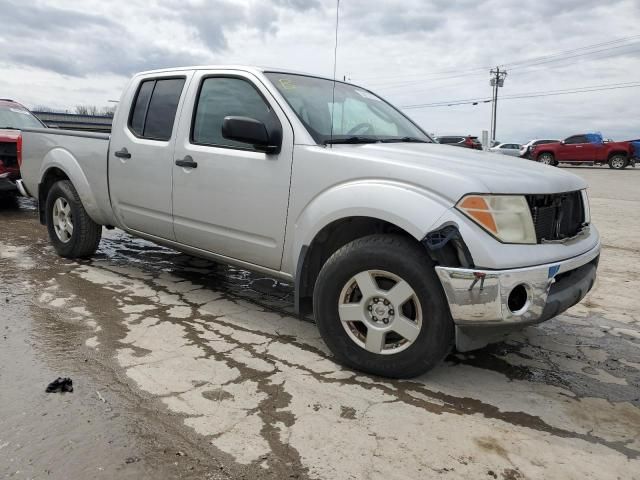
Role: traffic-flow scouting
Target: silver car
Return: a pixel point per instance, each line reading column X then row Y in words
column 512, row 149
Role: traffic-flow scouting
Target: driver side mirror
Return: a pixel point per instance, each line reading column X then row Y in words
column 250, row 130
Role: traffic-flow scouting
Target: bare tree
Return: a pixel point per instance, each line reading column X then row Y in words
column 44, row 109
column 109, row 111
column 94, row 110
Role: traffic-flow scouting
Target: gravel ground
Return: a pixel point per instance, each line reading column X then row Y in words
column 187, row 369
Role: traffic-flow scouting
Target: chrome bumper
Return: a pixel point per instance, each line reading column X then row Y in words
column 481, row 297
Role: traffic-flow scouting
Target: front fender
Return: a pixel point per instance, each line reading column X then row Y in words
column 409, row 207
column 63, row 160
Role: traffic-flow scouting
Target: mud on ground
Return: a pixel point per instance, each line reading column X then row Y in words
column 187, row 369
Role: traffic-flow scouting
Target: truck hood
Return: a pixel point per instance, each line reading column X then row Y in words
column 455, row 171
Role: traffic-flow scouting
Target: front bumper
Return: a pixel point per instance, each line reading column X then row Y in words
column 481, row 298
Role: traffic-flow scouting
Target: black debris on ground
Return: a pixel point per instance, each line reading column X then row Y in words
column 61, row 385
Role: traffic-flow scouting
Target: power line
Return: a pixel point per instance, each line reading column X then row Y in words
column 517, row 74
column 549, row 93
column 565, row 52
column 522, row 64
column 508, row 64
column 574, row 56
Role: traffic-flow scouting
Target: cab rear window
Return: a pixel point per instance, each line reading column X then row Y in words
column 154, row 110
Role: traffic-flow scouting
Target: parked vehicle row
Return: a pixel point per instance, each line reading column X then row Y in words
column 588, row 148
column 400, row 247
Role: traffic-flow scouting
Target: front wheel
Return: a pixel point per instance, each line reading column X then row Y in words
column 547, row 159
column 618, row 162
column 72, row 232
column 380, row 307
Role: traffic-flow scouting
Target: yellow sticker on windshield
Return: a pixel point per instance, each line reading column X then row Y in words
column 287, row 84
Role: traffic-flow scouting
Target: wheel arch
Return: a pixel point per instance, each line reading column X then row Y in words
column 60, row 164
column 326, row 242
column 617, row 152
column 353, row 210
column 48, row 179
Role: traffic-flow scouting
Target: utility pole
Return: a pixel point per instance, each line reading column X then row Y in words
column 496, row 81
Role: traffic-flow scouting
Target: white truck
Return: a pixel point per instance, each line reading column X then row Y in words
column 400, row 247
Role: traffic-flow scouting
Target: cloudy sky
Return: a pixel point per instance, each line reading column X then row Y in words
column 412, row 52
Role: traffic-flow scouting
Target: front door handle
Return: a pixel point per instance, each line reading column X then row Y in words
column 187, row 162
column 123, row 153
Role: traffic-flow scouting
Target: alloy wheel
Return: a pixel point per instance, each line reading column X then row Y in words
column 62, row 220
column 380, row 312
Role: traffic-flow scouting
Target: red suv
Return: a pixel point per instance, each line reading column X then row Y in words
column 585, row 148
column 13, row 118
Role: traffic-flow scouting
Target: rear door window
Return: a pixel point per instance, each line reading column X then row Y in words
column 154, row 110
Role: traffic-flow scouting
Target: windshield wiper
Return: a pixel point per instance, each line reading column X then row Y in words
column 354, row 139
column 405, row 139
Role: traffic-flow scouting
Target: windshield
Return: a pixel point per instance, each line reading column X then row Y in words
column 359, row 116
column 18, row 118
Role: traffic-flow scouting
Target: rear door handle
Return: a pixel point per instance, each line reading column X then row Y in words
column 123, row 153
column 187, row 162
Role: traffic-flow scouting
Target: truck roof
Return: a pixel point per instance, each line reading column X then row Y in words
column 245, row 68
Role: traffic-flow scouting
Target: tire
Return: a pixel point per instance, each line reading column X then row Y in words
column 425, row 315
column 547, row 159
column 72, row 232
column 618, row 162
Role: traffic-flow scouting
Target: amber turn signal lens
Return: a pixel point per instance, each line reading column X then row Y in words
column 478, row 209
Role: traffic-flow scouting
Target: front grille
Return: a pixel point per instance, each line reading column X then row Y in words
column 557, row 216
column 9, row 154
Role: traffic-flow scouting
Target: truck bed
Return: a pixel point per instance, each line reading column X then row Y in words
column 80, row 156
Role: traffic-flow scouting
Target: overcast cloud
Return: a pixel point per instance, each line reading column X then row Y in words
column 65, row 53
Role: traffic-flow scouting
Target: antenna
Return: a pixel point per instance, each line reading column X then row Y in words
column 335, row 62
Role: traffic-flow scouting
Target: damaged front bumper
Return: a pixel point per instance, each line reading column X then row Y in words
column 486, row 304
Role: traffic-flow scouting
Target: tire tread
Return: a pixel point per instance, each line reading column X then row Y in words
column 405, row 364
column 88, row 232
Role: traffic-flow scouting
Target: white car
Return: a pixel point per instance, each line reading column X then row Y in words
column 399, row 246
column 512, row 149
column 525, row 150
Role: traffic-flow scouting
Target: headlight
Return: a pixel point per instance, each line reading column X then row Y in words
column 506, row 217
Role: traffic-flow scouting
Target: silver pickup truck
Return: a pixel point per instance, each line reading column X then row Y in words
column 399, row 246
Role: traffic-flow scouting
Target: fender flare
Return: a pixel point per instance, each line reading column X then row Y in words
column 409, row 207
column 64, row 161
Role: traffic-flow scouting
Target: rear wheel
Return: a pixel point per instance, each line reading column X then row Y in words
column 618, row 162
column 547, row 159
column 72, row 232
column 380, row 308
